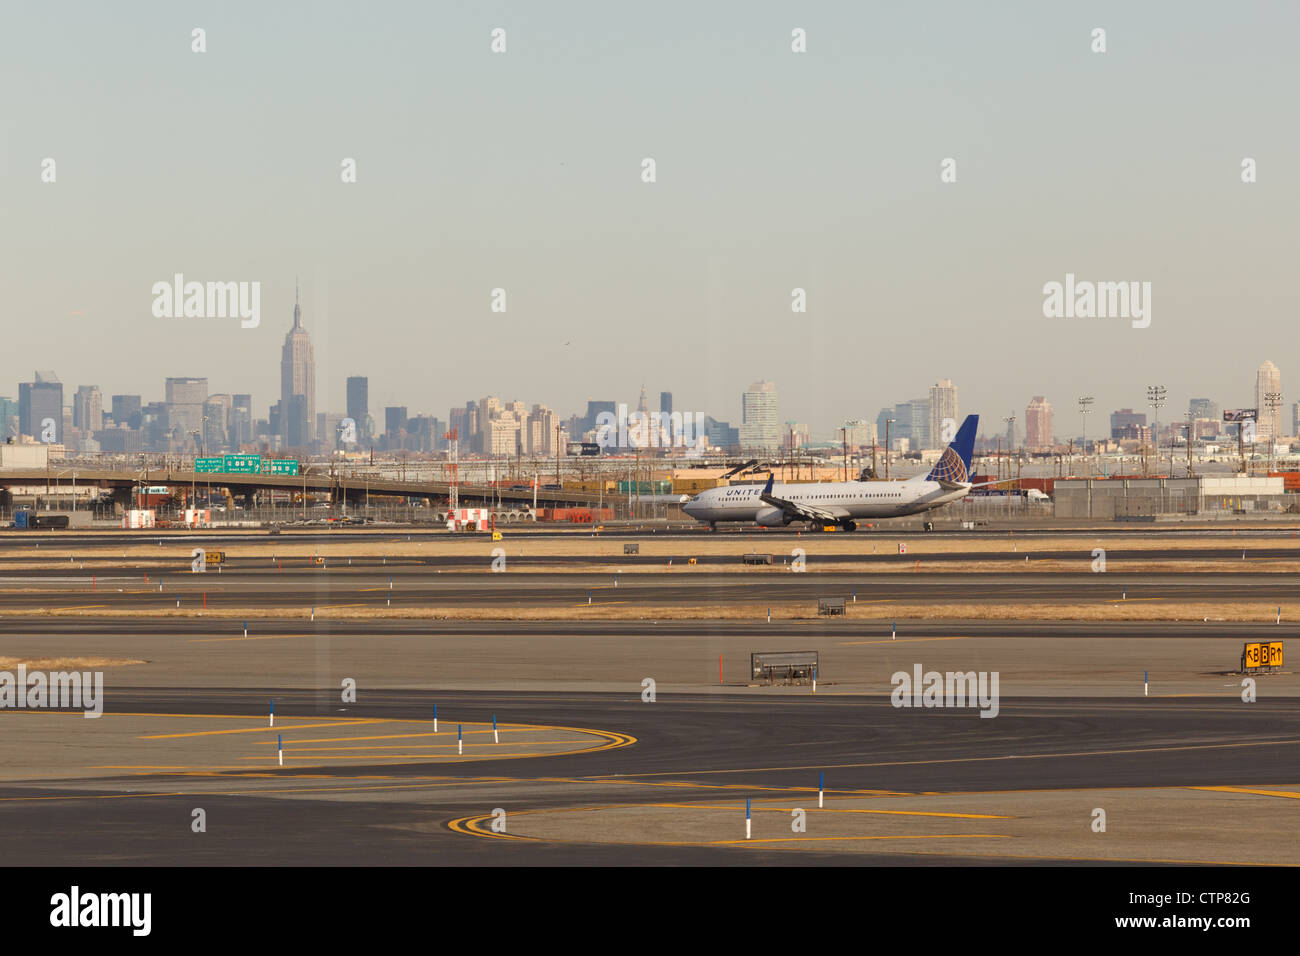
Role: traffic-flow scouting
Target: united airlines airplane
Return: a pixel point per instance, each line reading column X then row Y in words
column 840, row 502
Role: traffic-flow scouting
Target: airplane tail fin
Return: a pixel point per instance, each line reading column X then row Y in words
column 954, row 464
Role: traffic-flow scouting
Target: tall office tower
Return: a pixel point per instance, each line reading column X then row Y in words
column 943, row 409
column 541, row 427
column 39, row 403
column 1126, row 423
column 126, row 410
column 297, row 377
column 359, row 405
column 8, row 419
column 1295, row 418
column 241, row 420
column 1268, row 380
column 1011, row 434
column 760, row 427
column 394, row 424
column 1203, row 408
column 217, row 412
column 1038, row 423
column 920, row 416
column 642, row 406
column 88, row 410
column 185, row 398
column 666, row 402
column 295, row 421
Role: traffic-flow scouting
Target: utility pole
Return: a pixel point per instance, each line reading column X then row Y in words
column 1011, row 444
column 557, row 453
column 888, row 422
column 844, row 445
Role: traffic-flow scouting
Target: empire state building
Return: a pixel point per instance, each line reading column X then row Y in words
column 297, row 385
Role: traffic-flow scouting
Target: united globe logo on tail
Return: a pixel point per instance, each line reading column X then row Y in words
column 954, row 463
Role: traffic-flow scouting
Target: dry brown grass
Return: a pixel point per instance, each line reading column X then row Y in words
column 1102, row 611
column 175, row 552
column 65, row 663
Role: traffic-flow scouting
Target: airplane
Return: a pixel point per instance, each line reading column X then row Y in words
column 842, row 502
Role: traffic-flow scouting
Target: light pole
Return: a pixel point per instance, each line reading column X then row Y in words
column 1085, row 406
column 1156, row 399
column 852, row 425
column 1272, row 401
column 1011, row 442
column 888, row 422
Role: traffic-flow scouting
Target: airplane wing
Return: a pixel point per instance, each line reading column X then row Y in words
column 798, row 512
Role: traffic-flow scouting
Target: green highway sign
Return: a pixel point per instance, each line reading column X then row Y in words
column 208, row 464
column 280, row 466
column 243, row 464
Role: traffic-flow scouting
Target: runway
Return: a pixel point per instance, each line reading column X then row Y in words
column 413, row 586
column 689, row 748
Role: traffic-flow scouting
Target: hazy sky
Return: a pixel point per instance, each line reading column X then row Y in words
column 775, row 170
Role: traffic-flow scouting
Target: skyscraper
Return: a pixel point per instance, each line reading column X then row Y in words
column 1268, row 381
column 943, row 410
column 359, row 405
column 126, row 410
column 1039, row 429
column 88, row 410
column 185, row 400
column 666, row 402
column 40, row 403
column 297, row 377
column 760, row 427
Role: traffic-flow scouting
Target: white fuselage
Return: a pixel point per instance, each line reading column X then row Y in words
column 843, row 499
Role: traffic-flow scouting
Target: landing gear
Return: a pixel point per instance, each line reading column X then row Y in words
column 850, row 526
column 713, row 526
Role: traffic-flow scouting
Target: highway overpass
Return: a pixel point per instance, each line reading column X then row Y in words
column 354, row 489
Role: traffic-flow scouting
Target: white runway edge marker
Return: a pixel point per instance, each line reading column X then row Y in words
column 435, row 718
column 821, row 787
column 279, row 738
column 460, row 742
column 748, row 822
column 496, row 738
column 272, row 723
column 1146, row 683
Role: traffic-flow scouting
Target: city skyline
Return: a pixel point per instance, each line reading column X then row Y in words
column 762, row 188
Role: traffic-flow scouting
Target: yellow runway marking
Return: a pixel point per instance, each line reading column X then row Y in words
column 909, row 836
column 255, row 730
column 914, row 763
column 441, row 733
column 731, row 808
column 1292, row 794
column 906, row 640
column 84, row 607
column 252, row 637
column 446, row 744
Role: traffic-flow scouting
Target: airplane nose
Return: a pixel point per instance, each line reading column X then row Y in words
column 691, row 506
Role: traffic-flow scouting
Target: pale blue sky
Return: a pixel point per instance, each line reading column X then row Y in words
column 775, row 170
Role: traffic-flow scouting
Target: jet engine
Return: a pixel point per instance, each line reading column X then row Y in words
column 771, row 517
